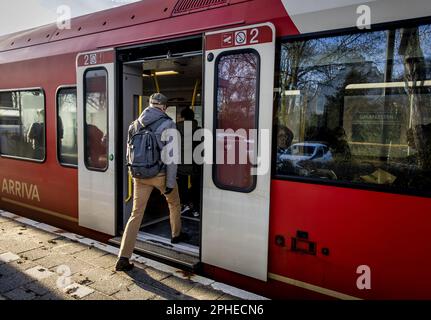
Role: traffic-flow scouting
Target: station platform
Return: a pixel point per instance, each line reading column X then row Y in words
column 41, row 262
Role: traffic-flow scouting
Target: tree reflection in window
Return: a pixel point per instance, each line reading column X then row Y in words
column 22, row 124
column 96, row 120
column 67, row 127
column 367, row 98
column 237, row 96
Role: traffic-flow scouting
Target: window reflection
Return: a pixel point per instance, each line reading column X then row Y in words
column 236, row 116
column 22, row 124
column 67, row 127
column 96, row 120
column 357, row 108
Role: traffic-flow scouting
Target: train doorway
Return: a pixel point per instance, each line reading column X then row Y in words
column 229, row 225
column 174, row 69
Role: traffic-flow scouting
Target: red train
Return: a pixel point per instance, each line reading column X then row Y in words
column 344, row 212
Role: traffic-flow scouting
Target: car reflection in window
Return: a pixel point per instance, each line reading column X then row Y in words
column 308, row 159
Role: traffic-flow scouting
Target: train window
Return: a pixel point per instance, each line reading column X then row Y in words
column 67, row 127
column 365, row 98
column 96, row 119
column 236, row 117
column 22, row 124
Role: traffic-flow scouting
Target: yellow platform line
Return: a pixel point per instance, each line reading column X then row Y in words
column 46, row 211
column 311, row 287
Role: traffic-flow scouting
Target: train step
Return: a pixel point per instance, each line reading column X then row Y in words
column 165, row 253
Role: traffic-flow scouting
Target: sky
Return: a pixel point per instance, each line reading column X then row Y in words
column 18, row 15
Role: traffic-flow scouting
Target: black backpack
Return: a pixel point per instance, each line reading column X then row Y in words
column 144, row 154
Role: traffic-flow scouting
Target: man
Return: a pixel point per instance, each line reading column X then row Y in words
column 284, row 138
column 188, row 172
column 165, row 182
column 96, row 147
column 36, row 136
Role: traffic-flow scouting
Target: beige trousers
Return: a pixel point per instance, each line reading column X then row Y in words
column 142, row 192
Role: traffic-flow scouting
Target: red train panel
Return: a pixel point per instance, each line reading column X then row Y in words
column 349, row 227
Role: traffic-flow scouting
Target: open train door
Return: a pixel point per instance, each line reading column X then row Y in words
column 239, row 86
column 96, row 140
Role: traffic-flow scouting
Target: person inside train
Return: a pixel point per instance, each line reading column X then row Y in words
column 60, row 129
column 284, row 138
column 188, row 173
column 339, row 145
column 155, row 119
column 36, row 136
column 96, row 147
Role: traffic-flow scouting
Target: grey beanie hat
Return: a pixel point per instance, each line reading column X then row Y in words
column 159, row 99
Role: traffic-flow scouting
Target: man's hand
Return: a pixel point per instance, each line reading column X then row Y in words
column 168, row 191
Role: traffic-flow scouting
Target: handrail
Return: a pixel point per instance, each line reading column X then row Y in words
column 140, row 105
column 156, row 82
column 130, row 178
column 195, row 93
column 130, row 188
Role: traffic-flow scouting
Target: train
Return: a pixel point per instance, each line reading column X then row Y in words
column 342, row 89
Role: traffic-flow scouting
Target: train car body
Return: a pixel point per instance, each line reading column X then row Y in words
column 344, row 211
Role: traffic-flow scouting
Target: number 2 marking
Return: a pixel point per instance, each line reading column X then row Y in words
column 86, row 60
column 254, row 36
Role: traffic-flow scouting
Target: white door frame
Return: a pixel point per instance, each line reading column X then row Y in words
column 235, row 225
column 97, row 189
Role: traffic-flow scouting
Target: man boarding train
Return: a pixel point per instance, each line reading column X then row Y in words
column 148, row 170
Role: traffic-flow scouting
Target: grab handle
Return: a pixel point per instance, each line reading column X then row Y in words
column 130, row 189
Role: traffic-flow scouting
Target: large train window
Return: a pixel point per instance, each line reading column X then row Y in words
column 357, row 108
column 22, row 124
column 67, row 139
column 96, row 119
column 236, row 120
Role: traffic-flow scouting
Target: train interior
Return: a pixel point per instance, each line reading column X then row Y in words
column 174, row 69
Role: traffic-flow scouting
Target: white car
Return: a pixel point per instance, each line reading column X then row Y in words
column 307, row 151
